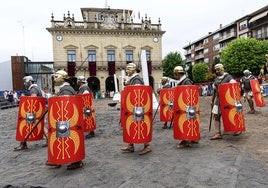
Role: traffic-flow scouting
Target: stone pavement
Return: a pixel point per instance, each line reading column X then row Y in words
column 229, row 162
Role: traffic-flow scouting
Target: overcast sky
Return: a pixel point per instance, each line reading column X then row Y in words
column 23, row 22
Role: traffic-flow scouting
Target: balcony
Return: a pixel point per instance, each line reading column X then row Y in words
column 186, row 52
column 260, row 22
column 200, row 56
column 199, row 47
column 227, row 36
column 260, row 36
column 188, row 60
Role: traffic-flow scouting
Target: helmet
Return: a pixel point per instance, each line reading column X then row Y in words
column 27, row 81
column 81, row 79
column 164, row 80
column 131, row 66
column 178, row 69
column 28, row 78
column 219, row 69
column 247, row 72
column 60, row 77
column 219, row 66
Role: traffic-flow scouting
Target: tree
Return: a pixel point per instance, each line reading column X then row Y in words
column 216, row 61
column 244, row 53
column 199, row 72
column 170, row 61
column 190, row 72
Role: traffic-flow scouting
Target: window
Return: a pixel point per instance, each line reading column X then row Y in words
column 92, row 55
column 206, row 60
column 259, row 35
column 148, row 55
column 245, row 35
column 243, row 25
column 100, row 17
column 205, row 50
column 71, row 55
column 266, row 31
column 111, row 55
column 205, row 41
column 129, row 55
column 216, row 36
column 216, row 47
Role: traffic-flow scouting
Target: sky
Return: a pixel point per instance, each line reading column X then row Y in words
column 24, row 22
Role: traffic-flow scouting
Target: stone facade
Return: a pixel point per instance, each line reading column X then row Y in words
column 103, row 31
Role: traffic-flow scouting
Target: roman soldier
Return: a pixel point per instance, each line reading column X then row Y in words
column 30, row 125
column 226, row 103
column 90, row 118
column 186, row 110
column 65, row 126
column 140, row 111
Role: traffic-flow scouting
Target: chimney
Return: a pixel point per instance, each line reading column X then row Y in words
column 220, row 26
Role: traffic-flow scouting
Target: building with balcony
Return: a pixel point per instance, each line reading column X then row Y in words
column 210, row 46
column 103, row 43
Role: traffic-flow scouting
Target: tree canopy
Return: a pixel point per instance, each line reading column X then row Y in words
column 244, row 53
column 199, row 72
column 170, row 61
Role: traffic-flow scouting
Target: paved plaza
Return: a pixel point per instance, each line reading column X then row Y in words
column 234, row 161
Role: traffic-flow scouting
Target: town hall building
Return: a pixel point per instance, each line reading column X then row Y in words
column 103, row 43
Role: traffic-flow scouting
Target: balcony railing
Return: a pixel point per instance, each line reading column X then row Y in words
column 228, row 36
column 200, row 56
column 97, row 25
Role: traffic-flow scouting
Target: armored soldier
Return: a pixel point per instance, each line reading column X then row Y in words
column 222, row 77
column 34, row 91
column 61, row 80
column 247, row 90
column 134, row 79
column 165, row 84
column 84, row 89
column 179, row 74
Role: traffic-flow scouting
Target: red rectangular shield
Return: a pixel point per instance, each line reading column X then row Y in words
column 122, row 106
column 166, row 104
column 31, row 110
column 89, row 116
column 65, row 130
column 137, row 120
column 231, row 107
column 256, row 90
column 186, row 113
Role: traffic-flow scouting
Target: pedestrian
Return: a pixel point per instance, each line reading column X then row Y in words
column 179, row 74
column 165, row 84
column 133, row 79
column 61, row 80
column 34, row 91
column 15, row 97
column 247, row 91
column 84, row 89
column 222, row 77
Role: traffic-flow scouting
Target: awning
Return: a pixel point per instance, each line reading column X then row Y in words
column 258, row 16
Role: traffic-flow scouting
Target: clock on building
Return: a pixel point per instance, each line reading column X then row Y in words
column 155, row 39
column 59, row 38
